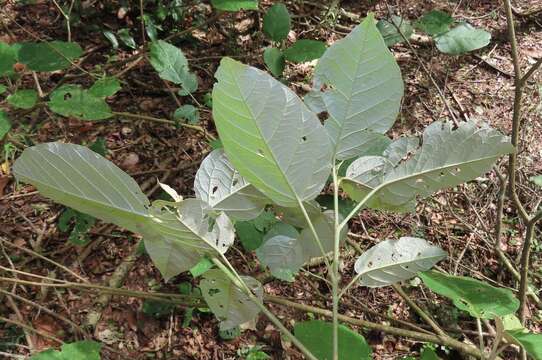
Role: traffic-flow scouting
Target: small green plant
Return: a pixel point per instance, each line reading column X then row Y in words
column 80, row 350
column 450, row 40
column 276, row 26
column 277, row 156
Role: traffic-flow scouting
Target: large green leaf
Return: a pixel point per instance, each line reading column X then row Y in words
column 392, row 261
column 235, row 5
column 8, row 58
column 461, row 39
column 176, row 236
column 218, row 184
column 75, row 176
column 49, row 56
column 269, row 135
column 365, row 89
column 479, row 299
column 276, row 22
column 80, row 350
column 177, row 239
column 229, row 303
column 446, row 158
column 317, row 336
column 282, row 251
column 73, row 100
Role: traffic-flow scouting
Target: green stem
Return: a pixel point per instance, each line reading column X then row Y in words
column 480, row 337
column 236, row 279
column 313, row 231
column 335, row 270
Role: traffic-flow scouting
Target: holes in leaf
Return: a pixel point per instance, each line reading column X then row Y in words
column 370, row 264
column 442, row 174
column 260, row 152
column 456, row 171
column 214, row 189
column 213, row 291
column 303, row 138
column 67, row 96
column 235, row 182
column 419, row 180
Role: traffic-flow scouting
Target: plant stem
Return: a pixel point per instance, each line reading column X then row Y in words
column 335, row 270
column 314, row 233
column 524, row 265
column 480, row 336
column 436, row 339
column 238, row 281
column 497, row 340
column 426, row 317
column 162, row 121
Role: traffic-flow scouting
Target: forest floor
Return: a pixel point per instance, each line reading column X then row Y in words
column 461, row 220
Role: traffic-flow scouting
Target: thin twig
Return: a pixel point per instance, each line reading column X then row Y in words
column 426, row 317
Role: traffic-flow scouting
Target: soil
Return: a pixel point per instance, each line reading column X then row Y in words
column 461, row 220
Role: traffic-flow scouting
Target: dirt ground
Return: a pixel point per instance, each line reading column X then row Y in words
column 461, row 220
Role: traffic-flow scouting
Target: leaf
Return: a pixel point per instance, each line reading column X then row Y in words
column 176, row 240
column 156, row 308
column 3, row 88
column 5, row 124
column 80, row 350
column 434, row 22
column 392, row 261
column 532, row 343
column 126, row 38
column 219, row 185
column 428, row 353
column 229, row 304
column 104, row 87
column 78, row 178
column 388, row 30
column 274, row 60
column 305, row 50
column 477, row 298
column 324, row 224
column 187, row 113
column 269, row 135
column 171, row 64
column 317, row 336
column 461, row 39
column 49, row 56
column 23, row 99
column 235, row 5
column 99, row 146
column 112, row 39
column 169, row 61
column 276, row 22
column 72, row 100
column 537, row 180
column 201, row 267
column 327, row 202
column 251, row 233
column 8, row 58
column 446, row 158
column 365, row 89
column 282, row 251
column 82, row 224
